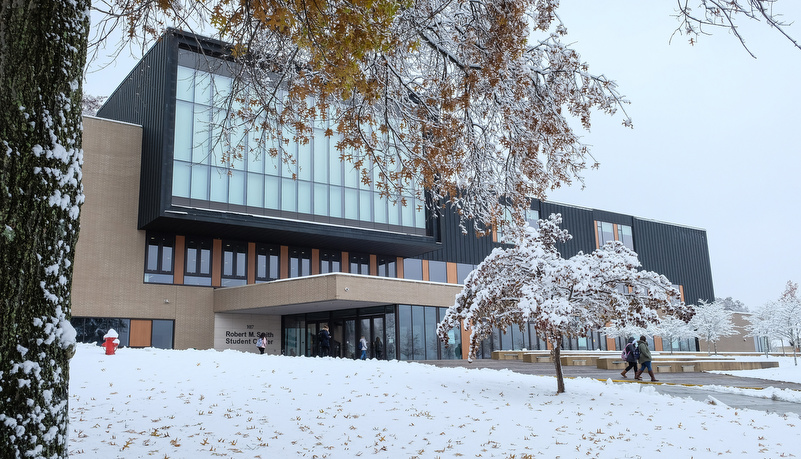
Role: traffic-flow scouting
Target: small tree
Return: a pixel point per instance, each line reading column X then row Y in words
column 712, row 322
column 531, row 283
column 780, row 319
column 762, row 324
column 671, row 328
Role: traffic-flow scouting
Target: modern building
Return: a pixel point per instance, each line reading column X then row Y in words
column 179, row 251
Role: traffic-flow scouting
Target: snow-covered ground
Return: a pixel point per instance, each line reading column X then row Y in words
column 181, row 404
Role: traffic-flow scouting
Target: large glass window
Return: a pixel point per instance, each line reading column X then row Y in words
column 267, row 257
column 359, row 263
column 386, row 267
column 159, row 258
column 234, row 263
column 299, row 262
column 614, row 232
column 198, row 261
column 330, row 261
column 162, row 336
column 317, row 184
column 624, row 235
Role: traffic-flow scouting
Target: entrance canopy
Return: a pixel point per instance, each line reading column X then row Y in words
column 329, row 292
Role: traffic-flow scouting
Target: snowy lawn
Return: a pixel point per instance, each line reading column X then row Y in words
column 787, row 371
column 181, row 404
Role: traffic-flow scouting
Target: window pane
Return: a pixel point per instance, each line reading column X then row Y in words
column 405, row 337
column 162, row 334
column 407, row 213
column 320, row 156
column 431, row 335
column 183, row 131
column 166, row 259
column 335, row 166
column 200, row 182
column 255, row 190
column 181, row 173
column 271, row 192
column 185, row 85
column 201, row 146
column 365, row 206
column 152, row 257
column 191, row 260
column 379, row 208
column 418, row 333
column 351, row 203
column 335, row 207
column 320, row 199
column 304, row 162
column 304, row 197
column 236, row 183
column 219, row 185
column 205, row 261
column 288, row 198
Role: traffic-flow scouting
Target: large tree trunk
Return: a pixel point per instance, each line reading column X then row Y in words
column 42, row 53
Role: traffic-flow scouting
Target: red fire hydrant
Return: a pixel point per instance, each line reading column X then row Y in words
column 111, row 342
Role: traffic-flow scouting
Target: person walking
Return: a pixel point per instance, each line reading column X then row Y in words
column 261, row 343
column 363, row 348
column 631, row 360
column 378, row 347
column 325, row 342
column 644, row 360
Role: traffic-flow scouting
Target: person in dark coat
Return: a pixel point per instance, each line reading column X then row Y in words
column 630, row 359
column 378, row 347
column 645, row 359
column 325, row 342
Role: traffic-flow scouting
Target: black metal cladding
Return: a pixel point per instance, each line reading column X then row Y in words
column 147, row 97
column 459, row 247
column 680, row 253
column 578, row 221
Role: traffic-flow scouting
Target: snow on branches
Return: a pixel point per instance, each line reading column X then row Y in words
column 780, row 319
column 531, row 283
column 712, row 322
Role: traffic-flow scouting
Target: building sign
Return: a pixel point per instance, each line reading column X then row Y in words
column 242, row 331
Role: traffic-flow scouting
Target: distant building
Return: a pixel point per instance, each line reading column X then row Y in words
column 178, row 252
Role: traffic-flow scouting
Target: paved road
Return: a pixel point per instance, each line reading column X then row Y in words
column 676, row 384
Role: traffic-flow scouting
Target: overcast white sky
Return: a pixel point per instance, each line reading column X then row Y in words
column 714, row 140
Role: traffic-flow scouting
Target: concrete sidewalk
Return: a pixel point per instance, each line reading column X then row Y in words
column 683, row 385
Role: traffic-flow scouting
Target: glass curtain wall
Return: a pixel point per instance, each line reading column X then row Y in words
column 319, row 183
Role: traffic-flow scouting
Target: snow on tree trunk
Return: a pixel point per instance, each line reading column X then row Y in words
column 42, row 53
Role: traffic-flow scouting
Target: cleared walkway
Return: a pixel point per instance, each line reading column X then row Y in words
column 684, row 385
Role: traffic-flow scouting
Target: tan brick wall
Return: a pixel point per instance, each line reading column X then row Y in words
column 738, row 342
column 108, row 279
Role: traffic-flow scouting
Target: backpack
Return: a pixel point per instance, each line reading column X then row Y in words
column 624, row 356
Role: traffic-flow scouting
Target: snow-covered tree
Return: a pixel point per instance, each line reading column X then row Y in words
column 780, row 319
column 42, row 54
column 531, row 283
column 762, row 324
column 712, row 322
column 731, row 304
column 671, row 328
